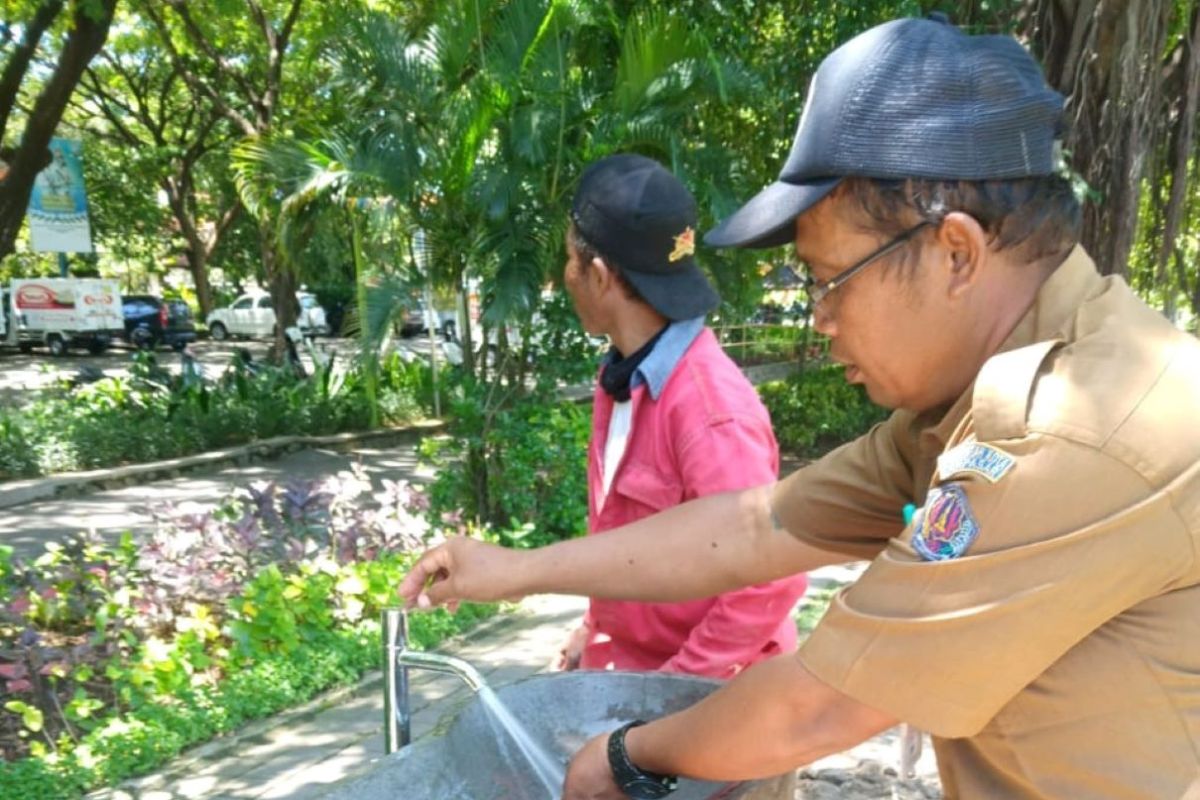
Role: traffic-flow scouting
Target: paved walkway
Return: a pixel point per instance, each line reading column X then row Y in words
column 28, row 527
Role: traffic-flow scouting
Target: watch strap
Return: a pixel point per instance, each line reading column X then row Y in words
column 635, row 782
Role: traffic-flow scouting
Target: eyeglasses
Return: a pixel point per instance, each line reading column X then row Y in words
column 819, row 290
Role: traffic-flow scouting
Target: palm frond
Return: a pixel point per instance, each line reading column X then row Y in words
column 653, row 44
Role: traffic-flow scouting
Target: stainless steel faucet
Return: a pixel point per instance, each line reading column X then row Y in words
column 397, row 659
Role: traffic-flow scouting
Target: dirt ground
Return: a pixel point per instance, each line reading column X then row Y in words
column 867, row 781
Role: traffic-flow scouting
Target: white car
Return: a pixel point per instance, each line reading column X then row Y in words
column 254, row 315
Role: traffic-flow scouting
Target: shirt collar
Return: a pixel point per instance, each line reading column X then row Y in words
column 1058, row 299
column 1056, row 302
column 657, row 367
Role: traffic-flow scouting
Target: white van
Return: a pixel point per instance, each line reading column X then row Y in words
column 62, row 313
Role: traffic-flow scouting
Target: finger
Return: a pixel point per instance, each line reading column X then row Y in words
column 442, row 590
column 429, row 565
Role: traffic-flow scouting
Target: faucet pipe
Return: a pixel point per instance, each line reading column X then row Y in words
column 397, row 716
column 436, row 662
column 397, row 660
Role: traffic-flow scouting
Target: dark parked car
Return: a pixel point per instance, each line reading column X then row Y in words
column 151, row 321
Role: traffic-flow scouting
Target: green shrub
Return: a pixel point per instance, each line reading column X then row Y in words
column 151, row 415
column 816, row 410
column 138, row 742
column 522, row 465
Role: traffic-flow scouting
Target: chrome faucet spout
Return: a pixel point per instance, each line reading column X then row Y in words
column 440, row 663
column 397, row 659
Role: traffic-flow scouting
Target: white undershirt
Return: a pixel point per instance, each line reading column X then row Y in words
column 618, row 438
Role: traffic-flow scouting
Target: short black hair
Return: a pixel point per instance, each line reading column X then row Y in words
column 1037, row 218
column 587, row 251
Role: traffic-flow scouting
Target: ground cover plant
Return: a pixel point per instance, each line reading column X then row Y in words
column 116, row 656
column 151, row 414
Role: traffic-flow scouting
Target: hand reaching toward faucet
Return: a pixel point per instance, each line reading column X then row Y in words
column 463, row 569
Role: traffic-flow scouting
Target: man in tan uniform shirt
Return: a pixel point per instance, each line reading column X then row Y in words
column 1031, row 510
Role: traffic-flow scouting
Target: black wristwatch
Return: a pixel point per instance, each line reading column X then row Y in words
column 636, row 783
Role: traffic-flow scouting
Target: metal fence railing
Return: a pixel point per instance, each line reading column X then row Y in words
column 751, row 344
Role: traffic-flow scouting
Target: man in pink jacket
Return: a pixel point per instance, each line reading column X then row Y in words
column 673, row 419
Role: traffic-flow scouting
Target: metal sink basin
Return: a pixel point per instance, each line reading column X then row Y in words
column 467, row 757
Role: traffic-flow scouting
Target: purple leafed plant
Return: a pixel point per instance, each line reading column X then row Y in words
column 83, row 607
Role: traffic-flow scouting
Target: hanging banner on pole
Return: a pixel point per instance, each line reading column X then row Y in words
column 58, row 214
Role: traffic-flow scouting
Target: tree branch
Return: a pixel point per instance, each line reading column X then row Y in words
column 1185, row 135
column 105, row 104
column 18, row 62
column 279, row 44
column 223, row 225
column 198, row 38
column 83, row 42
column 199, row 88
column 94, row 86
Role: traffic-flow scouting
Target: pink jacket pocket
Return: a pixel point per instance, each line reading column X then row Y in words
column 646, row 486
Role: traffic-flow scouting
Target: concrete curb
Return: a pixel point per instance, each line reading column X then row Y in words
column 74, row 484
column 183, row 764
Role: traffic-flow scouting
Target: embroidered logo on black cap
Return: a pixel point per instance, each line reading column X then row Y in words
column 685, row 245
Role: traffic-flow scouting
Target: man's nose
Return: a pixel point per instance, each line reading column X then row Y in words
column 824, row 321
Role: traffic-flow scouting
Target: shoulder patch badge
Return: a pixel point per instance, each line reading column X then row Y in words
column 983, row 460
column 945, row 526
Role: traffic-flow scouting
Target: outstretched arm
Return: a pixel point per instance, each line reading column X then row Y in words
column 698, row 549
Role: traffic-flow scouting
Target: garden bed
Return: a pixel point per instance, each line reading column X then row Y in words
column 151, row 415
column 114, row 658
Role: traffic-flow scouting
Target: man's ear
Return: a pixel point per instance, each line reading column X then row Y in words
column 964, row 244
column 600, row 275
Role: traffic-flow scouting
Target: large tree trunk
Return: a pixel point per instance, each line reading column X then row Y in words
column 200, row 244
column 18, row 62
column 84, row 41
column 1106, row 57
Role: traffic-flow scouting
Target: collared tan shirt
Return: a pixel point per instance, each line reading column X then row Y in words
column 1059, row 655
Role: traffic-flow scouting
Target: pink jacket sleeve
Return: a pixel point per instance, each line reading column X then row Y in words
column 727, row 455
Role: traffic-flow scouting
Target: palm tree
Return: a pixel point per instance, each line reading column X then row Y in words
column 472, row 127
column 301, row 183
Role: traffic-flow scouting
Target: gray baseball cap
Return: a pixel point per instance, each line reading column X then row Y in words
column 911, row 98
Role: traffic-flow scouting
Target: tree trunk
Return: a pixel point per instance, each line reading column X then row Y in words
column 18, row 62
column 198, row 266
column 282, row 284
column 84, row 41
column 1106, row 57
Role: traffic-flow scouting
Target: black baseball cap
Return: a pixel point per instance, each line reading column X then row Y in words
column 912, row 98
column 639, row 215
